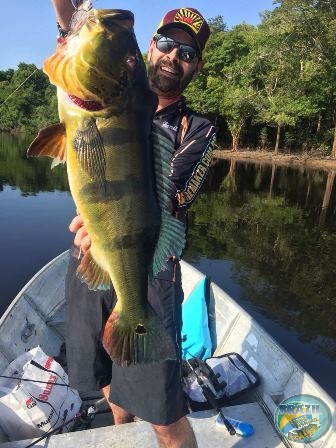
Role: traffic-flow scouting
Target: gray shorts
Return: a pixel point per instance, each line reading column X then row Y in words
column 152, row 392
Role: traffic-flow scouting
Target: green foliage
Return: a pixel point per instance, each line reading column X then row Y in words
column 225, row 87
column 282, row 261
column 27, row 100
column 263, row 138
column 30, row 175
column 279, row 76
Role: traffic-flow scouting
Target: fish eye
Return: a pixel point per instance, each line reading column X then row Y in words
column 131, row 61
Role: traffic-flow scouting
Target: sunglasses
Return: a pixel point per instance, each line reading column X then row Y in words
column 165, row 44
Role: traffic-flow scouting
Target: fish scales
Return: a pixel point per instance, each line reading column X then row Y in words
column 106, row 112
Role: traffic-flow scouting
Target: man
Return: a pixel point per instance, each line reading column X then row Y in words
column 152, row 391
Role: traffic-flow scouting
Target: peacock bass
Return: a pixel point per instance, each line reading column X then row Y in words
column 118, row 175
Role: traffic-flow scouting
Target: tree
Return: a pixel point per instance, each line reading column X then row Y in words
column 297, row 52
column 280, row 54
column 28, row 101
column 225, row 86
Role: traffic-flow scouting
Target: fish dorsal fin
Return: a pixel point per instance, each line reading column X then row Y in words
column 90, row 151
column 92, row 274
column 172, row 238
column 51, row 142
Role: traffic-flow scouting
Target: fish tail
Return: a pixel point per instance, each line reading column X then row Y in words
column 145, row 342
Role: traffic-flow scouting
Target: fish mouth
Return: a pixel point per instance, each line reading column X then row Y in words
column 89, row 105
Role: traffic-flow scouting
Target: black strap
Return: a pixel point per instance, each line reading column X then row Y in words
column 63, row 33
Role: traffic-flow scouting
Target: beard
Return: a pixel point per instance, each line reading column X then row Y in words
column 166, row 85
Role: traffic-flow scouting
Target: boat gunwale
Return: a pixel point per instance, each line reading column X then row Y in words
column 26, row 287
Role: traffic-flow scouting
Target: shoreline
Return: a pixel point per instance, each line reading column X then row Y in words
column 268, row 157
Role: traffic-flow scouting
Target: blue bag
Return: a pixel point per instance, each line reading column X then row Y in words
column 196, row 340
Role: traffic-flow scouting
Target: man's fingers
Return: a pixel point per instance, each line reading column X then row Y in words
column 80, row 234
column 82, row 239
column 76, row 224
column 85, row 243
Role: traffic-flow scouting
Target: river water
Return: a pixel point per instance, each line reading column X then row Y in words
column 265, row 234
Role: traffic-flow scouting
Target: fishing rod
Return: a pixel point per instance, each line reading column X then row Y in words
column 211, row 399
column 32, row 381
column 46, row 382
column 86, row 415
column 239, row 427
column 12, row 93
column 79, row 5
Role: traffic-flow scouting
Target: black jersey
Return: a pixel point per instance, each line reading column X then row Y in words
column 194, row 138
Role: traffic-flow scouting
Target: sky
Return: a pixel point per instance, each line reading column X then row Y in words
column 28, row 31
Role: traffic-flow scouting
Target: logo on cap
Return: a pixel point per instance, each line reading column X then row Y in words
column 189, row 18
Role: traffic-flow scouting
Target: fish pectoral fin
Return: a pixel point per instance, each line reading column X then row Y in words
column 51, row 142
column 89, row 147
column 92, row 274
column 137, row 343
column 171, row 242
column 163, row 150
column 171, row 239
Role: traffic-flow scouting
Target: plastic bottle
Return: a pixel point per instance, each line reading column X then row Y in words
column 244, row 429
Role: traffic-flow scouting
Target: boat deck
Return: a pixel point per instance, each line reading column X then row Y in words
column 36, row 317
column 140, row 434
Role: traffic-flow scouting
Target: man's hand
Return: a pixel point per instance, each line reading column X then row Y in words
column 64, row 10
column 82, row 239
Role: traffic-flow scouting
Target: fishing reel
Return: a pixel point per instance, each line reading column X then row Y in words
column 84, row 418
column 198, row 369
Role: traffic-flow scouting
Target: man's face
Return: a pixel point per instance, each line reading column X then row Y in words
column 168, row 75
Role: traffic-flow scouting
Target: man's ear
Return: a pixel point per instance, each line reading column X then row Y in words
column 198, row 68
column 150, row 49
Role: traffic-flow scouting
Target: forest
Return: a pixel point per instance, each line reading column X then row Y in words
column 267, row 87
column 276, row 235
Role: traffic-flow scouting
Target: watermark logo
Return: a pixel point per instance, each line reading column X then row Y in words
column 303, row 418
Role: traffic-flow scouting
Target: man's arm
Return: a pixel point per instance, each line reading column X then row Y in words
column 64, row 10
column 191, row 161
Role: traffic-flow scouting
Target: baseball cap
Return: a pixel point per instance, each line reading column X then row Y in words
column 191, row 21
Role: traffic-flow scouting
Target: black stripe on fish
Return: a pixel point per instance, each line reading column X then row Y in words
column 131, row 241
column 113, row 190
column 90, row 150
column 118, row 136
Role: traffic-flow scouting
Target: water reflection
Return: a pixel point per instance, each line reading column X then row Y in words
column 29, row 175
column 326, row 198
column 277, row 226
column 35, row 211
column 265, row 233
